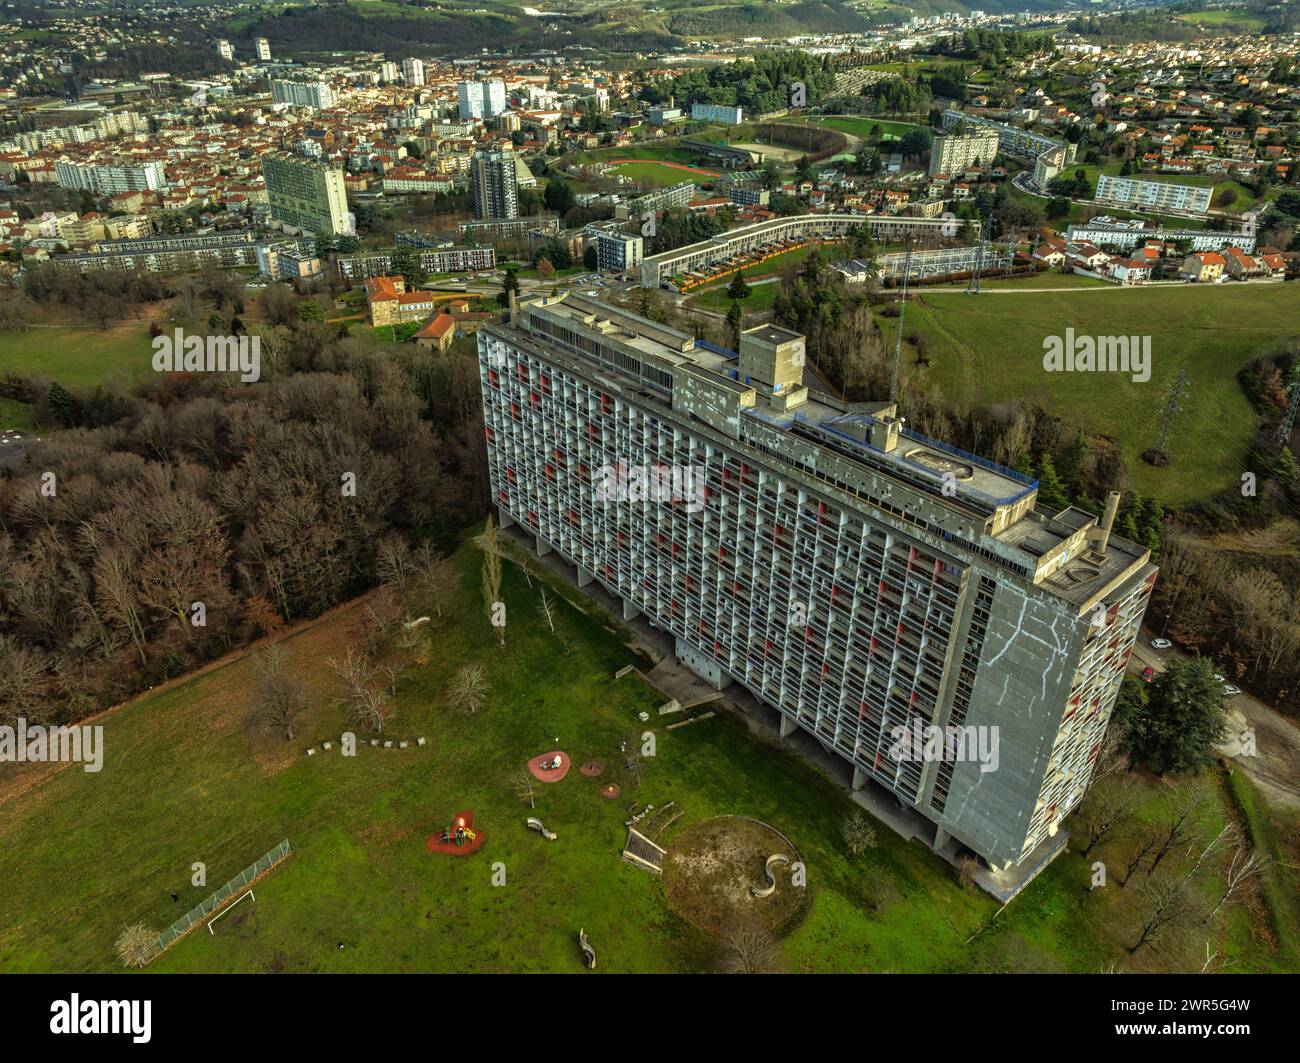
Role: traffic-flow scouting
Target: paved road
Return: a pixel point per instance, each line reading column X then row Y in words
column 1275, row 768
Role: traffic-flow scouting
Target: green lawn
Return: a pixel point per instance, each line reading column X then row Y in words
column 657, row 175
column 862, row 127
column 79, row 358
column 990, row 349
column 186, row 779
column 15, row 414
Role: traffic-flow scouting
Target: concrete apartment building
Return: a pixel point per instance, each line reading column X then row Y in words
column 480, row 99
column 302, row 93
column 432, row 260
column 413, row 71
column 1157, row 196
column 262, row 47
column 615, row 249
column 954, row 154
column 307, row 195
column 718, row 113
column 110, row 180
column 494, row 184
column 661, row 269
column 1048, row 155
column 862, row 580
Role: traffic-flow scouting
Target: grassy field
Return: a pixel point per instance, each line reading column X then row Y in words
column 990, row 349
column 862, row 127
column 187, row 777
column 79, row 358
column 657, row 175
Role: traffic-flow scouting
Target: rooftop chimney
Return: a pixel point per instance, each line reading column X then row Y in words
column 1107, row 521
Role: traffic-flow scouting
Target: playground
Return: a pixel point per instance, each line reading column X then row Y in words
column 717, row 870
column 193, row 780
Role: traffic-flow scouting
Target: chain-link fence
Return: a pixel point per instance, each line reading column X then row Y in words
column 211, row 903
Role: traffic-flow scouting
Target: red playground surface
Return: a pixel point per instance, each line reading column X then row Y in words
column 459, row 838
column 549, row 773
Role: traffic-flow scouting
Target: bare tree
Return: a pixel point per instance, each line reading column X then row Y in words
column 965, row 868
column 354, row 668
column 372, row 710
column 397, row 570
column 1246, row 864
column 489, row 542
column 858, row 833
column 525, row 787
column 1110, row 808
column 1139, row 854
column 135, row 945
column 745, row 947
column 548, row 611
column 1178, row 829
column 1168, row 903
column 434, row 575
column 279, row 695
column 1112, row 758
column 468, row 689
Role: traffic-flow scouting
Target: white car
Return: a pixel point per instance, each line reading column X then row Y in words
column 1230, row 691
column 1219, row 678
column 1160, row 644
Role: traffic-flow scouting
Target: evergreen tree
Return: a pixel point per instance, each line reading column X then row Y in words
column 1178, row 722
column 63, row 405
column 734, row 318
column 738, row 289
column 1050, row 490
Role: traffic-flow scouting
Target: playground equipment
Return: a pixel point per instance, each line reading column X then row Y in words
column 588, row 953
column 536, row 824
column 554, row 764
column 770, row 888
column 457, row 835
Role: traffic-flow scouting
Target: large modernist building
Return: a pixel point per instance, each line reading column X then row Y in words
column 864, row 581
column 308, row 195
column 955, row 153
column 494, row 184
column 480, row 99
column 1157, row 196
column 299, row 92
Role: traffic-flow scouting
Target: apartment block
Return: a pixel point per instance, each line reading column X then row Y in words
column 109, row 180
column 616, row 250
column 955, row 153
column 717, row 112
column 301, row 93
column 447, row 260
column 413, row 71
column 480, row 99
column 1157, row 196
column 263, row 49
column 862, row 580
column 494, row 184
column 307, row 195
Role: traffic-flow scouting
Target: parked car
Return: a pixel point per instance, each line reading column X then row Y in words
column 1231, row 691
column 1219, row 678
column 1148, row 674
column 1160, row 644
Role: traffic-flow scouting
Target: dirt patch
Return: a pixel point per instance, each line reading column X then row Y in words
column 712, row 867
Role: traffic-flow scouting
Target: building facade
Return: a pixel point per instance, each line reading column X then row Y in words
column 955, row 153
column 870, row 585
column 413, row 71
column 307, row 195
column 718, row 113
column 480, row 99
column 110, row 180
column 494, row 184
column 448, row 260
column 299, row 93
column 1157, row 196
